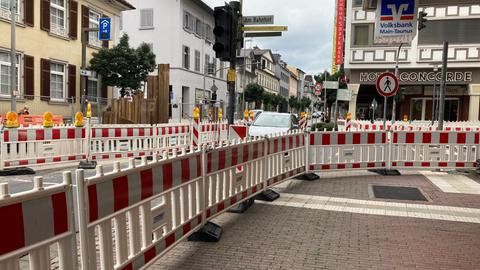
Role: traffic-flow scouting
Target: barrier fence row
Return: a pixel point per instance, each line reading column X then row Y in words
column 413, row 126
column 36, row 145
column 129, row 218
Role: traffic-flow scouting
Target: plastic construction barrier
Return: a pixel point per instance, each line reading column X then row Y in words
column 37, row 146
column 38, row 223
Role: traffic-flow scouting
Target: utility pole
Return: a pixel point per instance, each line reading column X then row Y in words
column 325, row 97
column 13, row 56
column 394, row 109
column 83, row 79
column 441, row 110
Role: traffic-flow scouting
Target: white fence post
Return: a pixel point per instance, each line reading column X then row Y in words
column 307, row 158
column 3, row 150
column 82, row 220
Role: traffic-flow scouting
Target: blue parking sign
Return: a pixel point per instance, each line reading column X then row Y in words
column 104, row 25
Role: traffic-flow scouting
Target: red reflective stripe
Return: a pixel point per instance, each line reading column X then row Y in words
column 149, row 255
column 221, row 159
column 245, row 153
column 275, row 146
column 325, row 139
column 443, row 137
column 297, row 141
column 460, row 164
column 255, row 151
column 186, row 228
column 290, row 142
column 356, row 165
column 167, row 176
column 410, row 137
column 59, row 159
column 104, row 132
column 442, row 164
column 128, row 267
column 185, row 167
column 371, row 138
column 425, row 164
column 71, row 133
column 199, row 166
column 118, row 155
column 169, row 240
column 92, row 203
column 408, row 164
column 341, row 138
column 477, row 138
column 22, row 135
column 129, row 132
column 371, row 165
column 325, row 167
column 55, row 134
column 356, row 138
column 427, row 138
column 40, row 161
column 244, row 194
column 118, row 132
column 341, row 166
column 11, row 228
column 395, row 137
column 284, row 144
column 60, row 213
column 209, row 162
column 141, row 132
column 233, row 200
column 461, row 138
column 120, row 193
column 234, row 156
column 84, row 132
column 384, row 137
column 146, row 179
column 220, row 206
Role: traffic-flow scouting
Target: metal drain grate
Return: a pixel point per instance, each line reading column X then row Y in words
column 398, row 193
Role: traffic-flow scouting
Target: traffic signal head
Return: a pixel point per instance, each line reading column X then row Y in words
column 223, row 33
column 422, row 20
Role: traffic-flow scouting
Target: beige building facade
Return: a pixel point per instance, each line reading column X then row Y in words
column 49, row 50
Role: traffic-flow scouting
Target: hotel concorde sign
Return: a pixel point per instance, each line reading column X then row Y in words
column 396, row 21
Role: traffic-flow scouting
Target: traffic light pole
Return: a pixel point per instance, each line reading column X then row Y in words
column 231, row 94
column 441, row 110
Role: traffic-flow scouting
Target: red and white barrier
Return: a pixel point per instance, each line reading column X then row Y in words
column 237, row 132
column 34, row 220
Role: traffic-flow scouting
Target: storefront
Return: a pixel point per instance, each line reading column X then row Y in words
column 418, row 89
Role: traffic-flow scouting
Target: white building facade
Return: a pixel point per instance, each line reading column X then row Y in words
column 181, row 35
column 419, row 61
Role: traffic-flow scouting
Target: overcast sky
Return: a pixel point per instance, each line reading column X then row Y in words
column 308, row 42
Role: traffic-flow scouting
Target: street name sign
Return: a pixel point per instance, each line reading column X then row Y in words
column 104, row 25
column 263, row 34
column 387, row 84
column 344, row 95
column 265, row 28
column 396, row 21
column 258, row 20
column 318, row 89
column 86, row 73
column 330, row 85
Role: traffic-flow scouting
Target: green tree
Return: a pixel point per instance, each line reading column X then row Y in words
column 293, row 102
column 331, row 94
column 254, row 93
column 305, row 103
column 124, row 67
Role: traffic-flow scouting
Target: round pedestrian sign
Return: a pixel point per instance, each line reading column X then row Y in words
column 318, row 89
column 387, row 84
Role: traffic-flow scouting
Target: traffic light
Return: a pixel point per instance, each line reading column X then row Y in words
column 422, row 20
column 223, row 32
column 214, row 98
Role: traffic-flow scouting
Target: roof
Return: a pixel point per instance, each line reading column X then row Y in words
column 126, row 4
column 309, row 78
column 244, row 53
column 203, row 5
column 258, row 51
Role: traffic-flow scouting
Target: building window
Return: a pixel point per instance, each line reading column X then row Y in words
column 186, row 57
column 357, row 3
column 146, row 18
column 465, row 31
column 198, row 27
column 361, row 35
column 57, row 81
column 58, row 17
column 92, row 88
column 5, row 9
column 197, row 61
column 209, row 36
column 5, row 88
column 93, row 20
column 187, row 21
column 207, row 62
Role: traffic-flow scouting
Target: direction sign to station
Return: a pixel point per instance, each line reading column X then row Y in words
column 331, row 84
column 387, row 84
column 318, row 89
column 258, row 20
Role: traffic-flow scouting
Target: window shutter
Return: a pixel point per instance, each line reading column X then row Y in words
column 72, row 83
column 73, row 20
column 45, row 79
column 29, row 12
column 29, row 78
column 105, row 42
column 45, row 15
column 85, row 20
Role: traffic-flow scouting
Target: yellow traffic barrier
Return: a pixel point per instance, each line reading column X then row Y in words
column 349, row 116
column 12, row 120
column 220, row 114
column 405, row 118
column 48, row 120
column 196, row 113
column 79, row 120
column 89, row 110
column 245, row 115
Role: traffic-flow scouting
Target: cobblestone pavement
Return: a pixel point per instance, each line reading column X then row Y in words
column 291, row 234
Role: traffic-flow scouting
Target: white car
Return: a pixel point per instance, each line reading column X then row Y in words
column 268, row 123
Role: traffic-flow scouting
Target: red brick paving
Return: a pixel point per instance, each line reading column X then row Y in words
column 282, row 237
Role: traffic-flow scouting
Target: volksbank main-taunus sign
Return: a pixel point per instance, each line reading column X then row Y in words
column 396, row 21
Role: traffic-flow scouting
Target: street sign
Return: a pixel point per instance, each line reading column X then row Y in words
column 104, row 25
column 214, row 88
column 396, row 21
column 330, row 85
column 265, row 28
column 344, row 95
column 256, row 20
column 86, row 73
column 387, row 84
column 318, row 89
column 263, row 34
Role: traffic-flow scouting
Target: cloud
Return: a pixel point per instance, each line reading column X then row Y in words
column 308, row 42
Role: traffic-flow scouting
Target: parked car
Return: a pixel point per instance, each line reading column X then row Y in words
column 256, row 113
column 268, row 123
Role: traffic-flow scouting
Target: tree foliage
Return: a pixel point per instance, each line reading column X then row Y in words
column 326, row 76
column 124, row 67
column 254, row 93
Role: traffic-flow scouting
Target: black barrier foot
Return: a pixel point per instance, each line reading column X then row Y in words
column 241, row 207
column 385, row 172
column 87, row 164
column 308, row 177
column 210, row 232
column 17, row 171
column 268, row 196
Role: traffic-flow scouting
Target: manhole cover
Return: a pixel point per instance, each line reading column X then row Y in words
column 398, row 193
